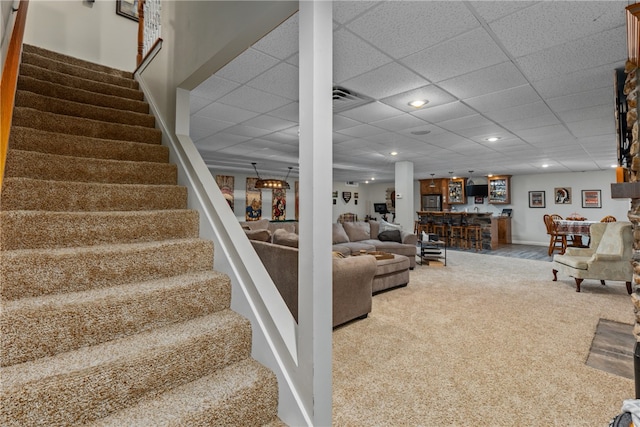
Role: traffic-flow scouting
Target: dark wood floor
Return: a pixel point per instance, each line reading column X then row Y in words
column 515, row 251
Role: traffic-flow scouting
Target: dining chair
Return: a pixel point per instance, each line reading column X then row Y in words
column 557, row 242
column 608, row 218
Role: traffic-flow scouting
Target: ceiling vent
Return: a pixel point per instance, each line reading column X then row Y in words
column 346, row 99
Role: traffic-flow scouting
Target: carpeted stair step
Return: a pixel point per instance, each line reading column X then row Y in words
column 52, row 167
column 29, row 139
column 77, row 70
column 33, row 194
column 58, row 91
column 79, row 83
column 242, row 394
column 45, row 326
column 77, row 109
column 92, row 382
column 59, row 57
column 45, row 229
column 35, row 272
column 51, row 122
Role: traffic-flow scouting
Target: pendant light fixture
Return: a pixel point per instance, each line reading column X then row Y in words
column 432, row 184
column 271, row 183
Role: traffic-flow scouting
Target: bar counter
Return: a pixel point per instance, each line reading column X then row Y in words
column 496, row 230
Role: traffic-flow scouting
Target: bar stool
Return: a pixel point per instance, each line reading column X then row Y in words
column 439, row 226
column 473, row 236
column 457, row 231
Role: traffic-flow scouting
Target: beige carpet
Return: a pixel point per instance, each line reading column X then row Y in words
column 485, row 341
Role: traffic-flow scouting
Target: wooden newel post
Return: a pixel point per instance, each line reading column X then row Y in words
column 140, row 32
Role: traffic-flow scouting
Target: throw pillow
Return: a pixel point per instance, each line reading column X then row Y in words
column 390, row 236
column 357, row 231
column 339, row 236
column 284, row 238
column 260, row 235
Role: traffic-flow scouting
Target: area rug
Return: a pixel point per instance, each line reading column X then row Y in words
column 484, row 341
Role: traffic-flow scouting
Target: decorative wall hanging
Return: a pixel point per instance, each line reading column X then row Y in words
column 279, row 204
column 346, row 196
column 225, row 183
column 562, row 195
column 591, row 199
column 253, row 210
column 127, row 8
column 391, row 200
column 536, row 199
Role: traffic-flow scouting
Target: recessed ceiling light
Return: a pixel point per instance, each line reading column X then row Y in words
column 614, row 166
column 493, row 139
column 545, row 165
column 394, row 153
column 418, row 103
column 366, row 182
column 420, row 132
column 373, row 179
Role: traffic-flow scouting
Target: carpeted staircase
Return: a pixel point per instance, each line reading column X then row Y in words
column 111, row 311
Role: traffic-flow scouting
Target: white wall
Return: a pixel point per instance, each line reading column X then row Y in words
column 90, row 31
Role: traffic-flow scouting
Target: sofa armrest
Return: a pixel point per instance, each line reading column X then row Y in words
column 606, row 257
column 408, row 238
column 579, row 252
column 352, row 287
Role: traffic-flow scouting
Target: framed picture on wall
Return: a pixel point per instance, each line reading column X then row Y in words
column 591, row 199
column 537, row 199
column 562, row 195
column 127, row 8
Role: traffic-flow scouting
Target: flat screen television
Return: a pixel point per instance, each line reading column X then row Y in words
column 380, row 208
column 481, row 190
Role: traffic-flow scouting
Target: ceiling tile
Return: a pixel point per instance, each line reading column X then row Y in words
column 507, row 98
column 352, row 56
column 247, row 131
column 399, row 123
column 213, row 88
column 497, row 77
column 219, row 141
column 344, row 11
column 402, row 28
column 227, row 113
column 590, row 98
column 469, row 122
column 288, row 112
column 439, row 113
column 246, row 66
column 269, row 123
column 254, row 100
column 281, row 42
column 385, row 81
column 603, row 48
column 465, row 53
column 492, row 10
column 281, row 80
column 549, row 24
column 431, row 93
column 577, row 81
column 520, row 112
column 589, row 113
column 361, row 131
column 371, row 112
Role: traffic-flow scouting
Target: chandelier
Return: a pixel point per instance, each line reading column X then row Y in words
column 271, row 182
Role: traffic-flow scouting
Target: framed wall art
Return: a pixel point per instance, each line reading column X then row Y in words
column 225, row 183
column 562, row 195
column 591, row 199
column 537, row 199
column 127, row 8
column 253, row 209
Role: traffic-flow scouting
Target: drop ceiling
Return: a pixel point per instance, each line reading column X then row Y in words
column 536, row 75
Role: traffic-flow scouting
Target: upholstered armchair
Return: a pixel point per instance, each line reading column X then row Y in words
column 608, row 256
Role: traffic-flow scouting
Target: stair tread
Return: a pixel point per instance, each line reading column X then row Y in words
column 41, row 73
column 54, row 229
column 187, row 404
column 71, row 59
column 31, row 139
column 60, row 91
column 47, row 325
column 77, row 70
column 65, row 107
column 57, row 167
column 120, row 349
column 34, row 118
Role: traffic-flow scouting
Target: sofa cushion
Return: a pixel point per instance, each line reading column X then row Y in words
column 577, row 262
column 375, row 229
column 260, row 235
column 339, row 235
column 390, row 236
column 261, row 224
column 285, row 238
column 357, row 231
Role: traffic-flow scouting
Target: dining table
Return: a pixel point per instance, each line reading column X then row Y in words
column 575, row 228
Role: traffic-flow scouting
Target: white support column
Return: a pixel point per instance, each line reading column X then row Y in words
column 316, row 164
column 404, row 195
